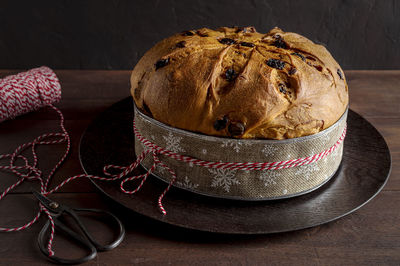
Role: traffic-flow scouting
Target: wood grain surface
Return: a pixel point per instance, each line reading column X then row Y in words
column 370, row 236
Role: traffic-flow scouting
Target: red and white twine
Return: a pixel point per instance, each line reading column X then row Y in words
column 28, row 91
column 247, row 166
column 36, row 88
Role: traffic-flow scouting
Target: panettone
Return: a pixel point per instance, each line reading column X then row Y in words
column 236, row 82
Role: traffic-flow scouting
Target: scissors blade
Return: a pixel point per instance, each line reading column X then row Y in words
column 44, row 200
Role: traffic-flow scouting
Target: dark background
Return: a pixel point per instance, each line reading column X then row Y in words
column 115, row 34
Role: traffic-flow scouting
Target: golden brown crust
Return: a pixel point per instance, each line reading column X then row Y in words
column 241, row 83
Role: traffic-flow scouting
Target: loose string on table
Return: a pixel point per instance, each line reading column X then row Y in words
column 29, row 91
column 30, row 172
column 37, row 94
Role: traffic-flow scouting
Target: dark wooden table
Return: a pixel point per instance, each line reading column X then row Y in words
column 370, row 236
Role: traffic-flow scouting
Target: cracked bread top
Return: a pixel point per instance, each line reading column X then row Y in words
column 236, row 82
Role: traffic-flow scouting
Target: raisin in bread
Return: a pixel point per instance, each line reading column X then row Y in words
column 236, row 82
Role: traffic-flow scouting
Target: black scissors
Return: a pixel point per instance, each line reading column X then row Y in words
column 86, row 240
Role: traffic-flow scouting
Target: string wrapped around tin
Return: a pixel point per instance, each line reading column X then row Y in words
column 242, row 169
column 28, row 91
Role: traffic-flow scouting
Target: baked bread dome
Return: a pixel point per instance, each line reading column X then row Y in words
column 236, row 82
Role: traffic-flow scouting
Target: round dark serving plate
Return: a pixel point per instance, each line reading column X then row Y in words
column 364, row 171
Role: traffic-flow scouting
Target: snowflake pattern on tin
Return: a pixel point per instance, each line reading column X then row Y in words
column 269, row 177
column 269, row 150
column 307, row 170
column 186, row 183
column 224, row 178
column 235, row 144
column 336, row 152
column 325, row 139
column 159, row 169
column 143, row 146
column 173, row 143
column 334, row 155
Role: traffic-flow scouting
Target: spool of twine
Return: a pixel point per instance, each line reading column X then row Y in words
column 28, row 91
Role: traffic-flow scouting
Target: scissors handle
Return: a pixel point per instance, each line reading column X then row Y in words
column 59, row 225
column 89, row 242
column 99, row 247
